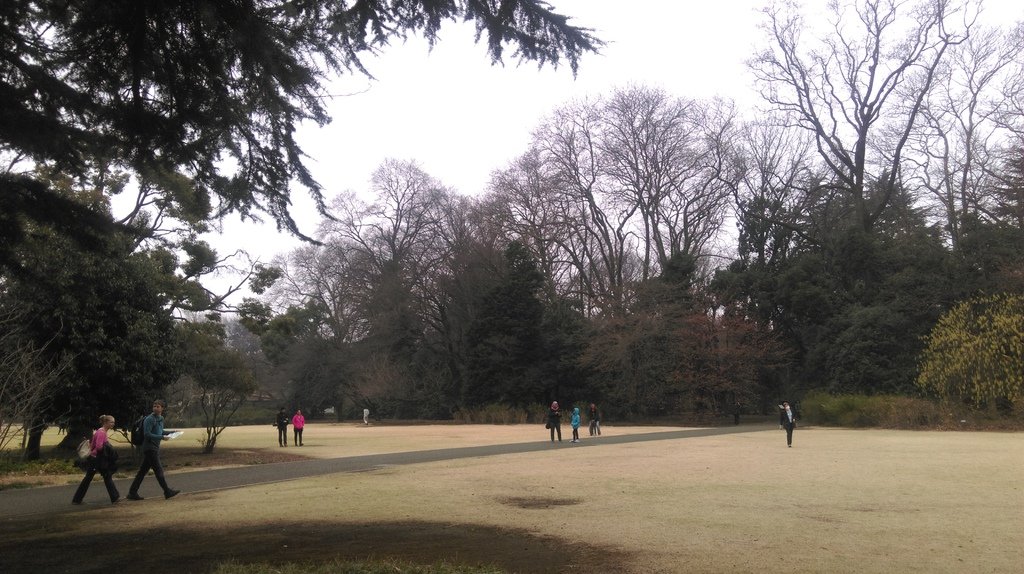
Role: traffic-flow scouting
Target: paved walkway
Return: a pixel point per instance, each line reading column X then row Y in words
column 57, row 499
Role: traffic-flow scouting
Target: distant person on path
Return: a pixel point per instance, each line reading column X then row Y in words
column 787, row 420
column 298, row 423
column 736, row 413
column 282, row 427
column 366, row 416
column 153, row 429
column 575, row 422
column 555, row 421
column 102, row 459
column 595, row 420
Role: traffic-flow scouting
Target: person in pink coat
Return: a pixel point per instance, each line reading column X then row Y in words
column 298, row 423
column 102, row 459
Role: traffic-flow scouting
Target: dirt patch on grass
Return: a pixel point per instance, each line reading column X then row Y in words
column 68, row 544
column 538, row 502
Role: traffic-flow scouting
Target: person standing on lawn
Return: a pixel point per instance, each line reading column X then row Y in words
column 102, row 459
column 298, row 423
column 575, row 422
column 153, row 431
column 555, row 421
column 595, row 420
column 787, row 420
column 281, row 422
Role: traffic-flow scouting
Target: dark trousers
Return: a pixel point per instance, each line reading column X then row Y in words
column 575, row 433
column 298, row 437
column 789, row 433
column 595, row 427
column 108, row 481
column 282, row 436
column 557, row 428
column 150, row 460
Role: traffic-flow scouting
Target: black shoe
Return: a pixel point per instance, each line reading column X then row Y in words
column 76, row 502
column 171, row 493
column 116, row 500
column 134, row 496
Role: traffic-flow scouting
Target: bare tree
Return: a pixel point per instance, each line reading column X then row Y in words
column 668, row 157
column 966, row 121
column 27, row 381
column 867, row 79
column 599, row 240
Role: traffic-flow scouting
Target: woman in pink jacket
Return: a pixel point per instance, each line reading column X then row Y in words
column 102, row 459
column 298, row 423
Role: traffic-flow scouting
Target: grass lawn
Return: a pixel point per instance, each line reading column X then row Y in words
column 838, row 501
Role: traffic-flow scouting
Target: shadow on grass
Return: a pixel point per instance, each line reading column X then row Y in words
column 75, row 543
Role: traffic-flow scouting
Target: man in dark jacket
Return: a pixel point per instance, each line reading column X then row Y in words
column 153, row 431
column 282, row 427
column 787, row 420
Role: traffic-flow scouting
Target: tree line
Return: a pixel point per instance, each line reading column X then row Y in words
column 656, row 254
column 877, row 188
column 185, row 111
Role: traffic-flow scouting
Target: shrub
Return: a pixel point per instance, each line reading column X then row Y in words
column 493, row 414
column 38, row 467
column 885, row 411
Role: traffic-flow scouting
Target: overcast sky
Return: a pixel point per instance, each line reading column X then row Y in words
column 461, row 118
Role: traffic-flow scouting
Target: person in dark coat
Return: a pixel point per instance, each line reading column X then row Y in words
column 595, row 420
column 555, row 421
column 282, row 427
column 787, row 420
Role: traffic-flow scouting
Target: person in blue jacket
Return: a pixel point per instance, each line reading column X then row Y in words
column 575, row 422
column 153, row 429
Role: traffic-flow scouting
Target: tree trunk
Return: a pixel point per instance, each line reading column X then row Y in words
column 35, row 437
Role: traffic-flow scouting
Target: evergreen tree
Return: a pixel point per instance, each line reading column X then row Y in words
column 505, row 339
column 208, row 92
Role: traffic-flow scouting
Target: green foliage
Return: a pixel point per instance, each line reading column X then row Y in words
column 505, row 339
column 886, row 411
column 350, row 567
column 9, row 464
column 103, row 310
column 168, row 89
column 976, row 351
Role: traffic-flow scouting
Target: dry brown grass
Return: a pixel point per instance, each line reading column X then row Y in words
column 839, row 501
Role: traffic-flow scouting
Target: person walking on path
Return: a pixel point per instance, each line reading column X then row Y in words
column 595, row 420
column 153, row 431
column 555, row 421
column 575, row 422
column 298, row 423
column 102, row 459
column 787, row 420
column 736, row 413
column 282, row 427
column 366, row 417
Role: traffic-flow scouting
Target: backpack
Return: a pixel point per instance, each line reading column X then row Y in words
column 138, row 431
